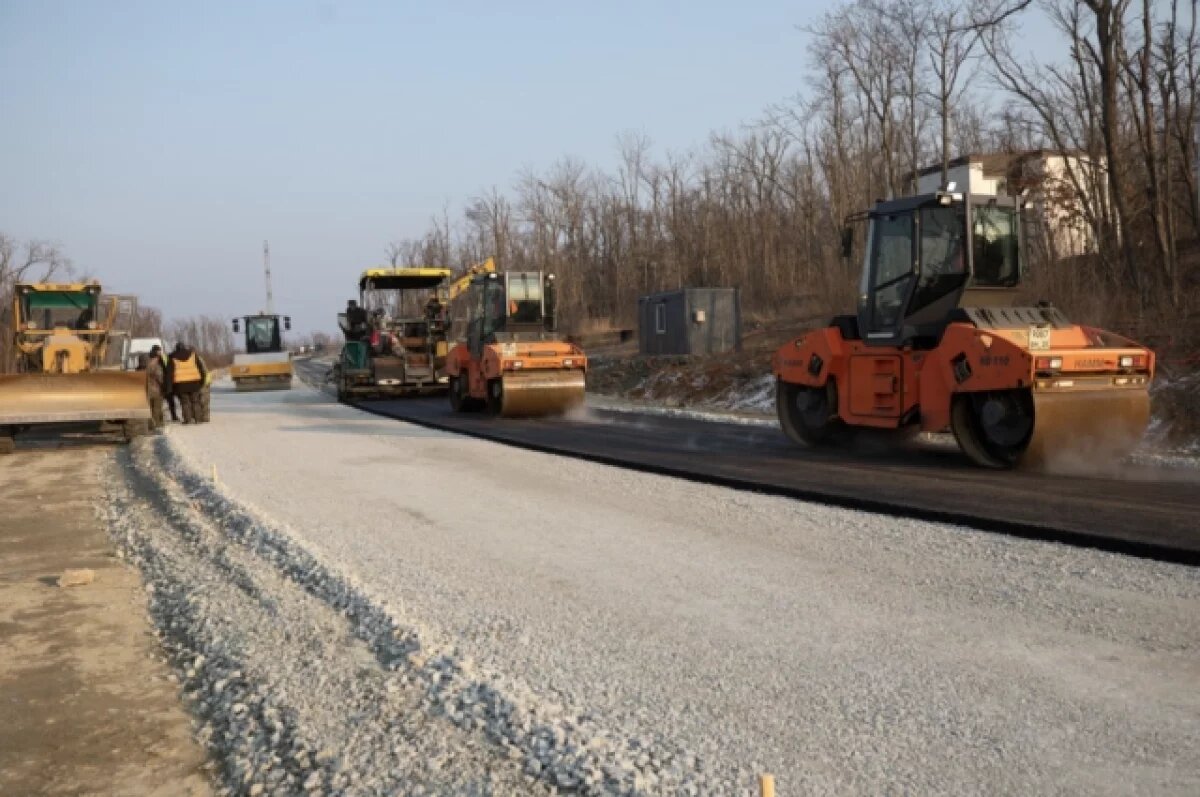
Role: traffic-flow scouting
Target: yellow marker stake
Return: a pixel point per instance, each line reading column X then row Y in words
column 766, row 785
column 214, row 474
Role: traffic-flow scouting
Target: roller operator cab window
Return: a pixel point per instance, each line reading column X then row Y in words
column 50, row 309
column 525, row 298
column 994, row 235
column 943, row 255
column 892, row 252
column 262, row 335
column 493, row 307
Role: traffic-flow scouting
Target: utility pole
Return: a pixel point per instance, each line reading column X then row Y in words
column 267, row 270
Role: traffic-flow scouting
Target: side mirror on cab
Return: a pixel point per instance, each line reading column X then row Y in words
column 287, row 323
column 236, row 328
column 847, row 242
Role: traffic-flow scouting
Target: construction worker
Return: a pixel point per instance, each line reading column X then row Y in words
column 156, row 385
column 205, row 392
column 356, row 321
column 186, row 374
column 168, row 391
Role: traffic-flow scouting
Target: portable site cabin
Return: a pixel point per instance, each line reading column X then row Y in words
column 690, row 321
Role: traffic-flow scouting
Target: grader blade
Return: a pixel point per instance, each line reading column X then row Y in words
column 62, row 398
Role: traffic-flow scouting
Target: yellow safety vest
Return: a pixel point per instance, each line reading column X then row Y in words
column 186, row 370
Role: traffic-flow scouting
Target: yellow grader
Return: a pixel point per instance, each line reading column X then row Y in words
column 60, row 341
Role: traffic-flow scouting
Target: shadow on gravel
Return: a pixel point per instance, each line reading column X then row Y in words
column 49, row 437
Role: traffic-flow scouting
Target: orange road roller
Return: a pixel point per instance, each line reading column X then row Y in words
column 510, row 360
column 941, row 342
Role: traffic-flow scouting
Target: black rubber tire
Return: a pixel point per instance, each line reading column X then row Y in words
column 457, row 402
column 495, row 397
column 966, row 421
column 808, row 415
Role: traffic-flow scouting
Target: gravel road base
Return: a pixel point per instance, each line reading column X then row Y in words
column 303, row 684
column 557, row 624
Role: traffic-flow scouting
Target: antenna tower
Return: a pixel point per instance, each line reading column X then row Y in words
column 267, row 271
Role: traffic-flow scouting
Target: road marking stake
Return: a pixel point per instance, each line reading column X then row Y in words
column 214, row 473
column 766, row 785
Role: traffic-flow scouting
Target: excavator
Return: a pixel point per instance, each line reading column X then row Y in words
column 511, row 361
column 60, row 343
column 394, row 348
column 942, row 342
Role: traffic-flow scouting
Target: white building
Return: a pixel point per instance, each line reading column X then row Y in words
column 1058, row 207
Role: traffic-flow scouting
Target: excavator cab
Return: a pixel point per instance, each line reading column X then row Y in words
column 929, row 254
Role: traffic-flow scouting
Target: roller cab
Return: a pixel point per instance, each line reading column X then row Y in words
column 511, row 361
column 941, row 343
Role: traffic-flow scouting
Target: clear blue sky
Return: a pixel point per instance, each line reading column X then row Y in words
column 161, row 142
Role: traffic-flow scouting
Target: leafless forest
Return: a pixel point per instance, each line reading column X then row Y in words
column 890, row 86
column 41, row 261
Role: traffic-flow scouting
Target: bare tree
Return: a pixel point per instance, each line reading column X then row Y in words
column 33, row 261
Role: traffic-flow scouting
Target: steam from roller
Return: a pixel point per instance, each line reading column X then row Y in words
column 1086, row 431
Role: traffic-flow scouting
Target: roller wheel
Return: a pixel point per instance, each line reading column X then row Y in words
column 993, row 428
column 495, row 397
column 808, row 414
column 460, row 398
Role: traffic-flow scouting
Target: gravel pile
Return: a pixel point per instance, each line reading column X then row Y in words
column 304, row 685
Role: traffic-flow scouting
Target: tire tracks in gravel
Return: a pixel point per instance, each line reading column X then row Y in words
column 301, row 683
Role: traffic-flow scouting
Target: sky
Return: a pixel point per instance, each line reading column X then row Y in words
column 160, row 143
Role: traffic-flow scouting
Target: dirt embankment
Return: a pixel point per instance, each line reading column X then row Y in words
column 89, row 707
column 739, row 381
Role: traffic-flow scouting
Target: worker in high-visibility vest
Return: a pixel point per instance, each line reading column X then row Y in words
column 186, row 374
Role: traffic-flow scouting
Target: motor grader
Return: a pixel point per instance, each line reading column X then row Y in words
column 60, row 341
column 511, row 361
column 941, row 342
